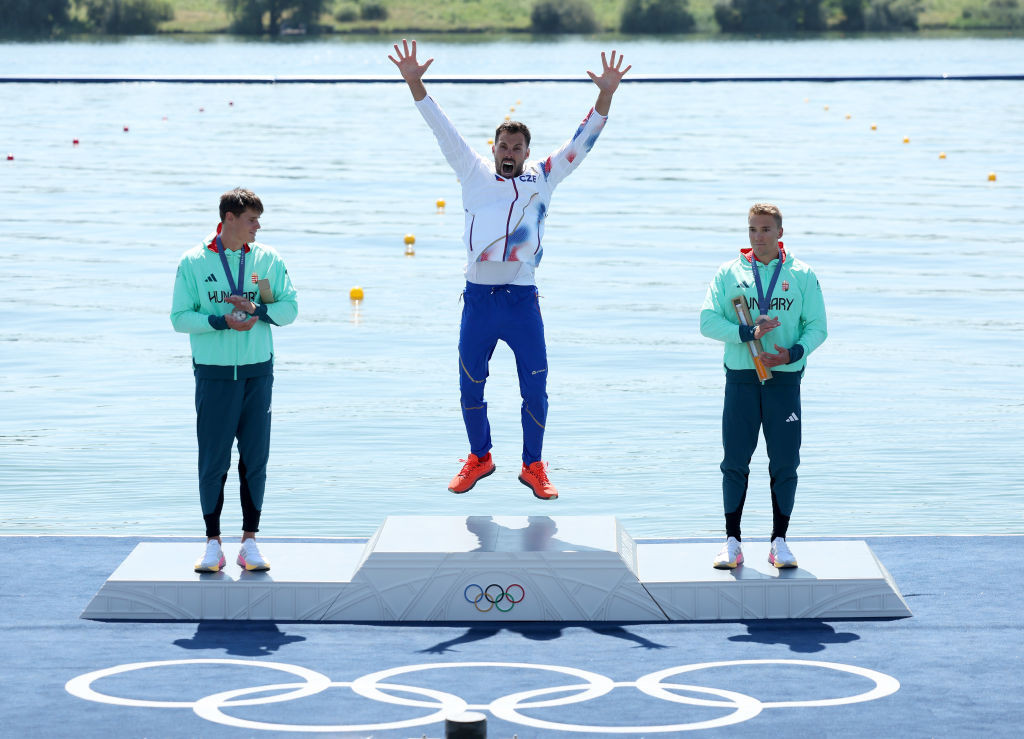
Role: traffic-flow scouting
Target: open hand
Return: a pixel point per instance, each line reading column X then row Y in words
column 776, row 360
column 612, row 74
column 241, row 303
column 240, row 325
column 764, row 325
column 411, row 70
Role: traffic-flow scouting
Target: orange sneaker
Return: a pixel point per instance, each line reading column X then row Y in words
column 475, row 469
column 535, row 477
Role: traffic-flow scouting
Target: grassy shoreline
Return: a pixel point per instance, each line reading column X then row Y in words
column 470, row 17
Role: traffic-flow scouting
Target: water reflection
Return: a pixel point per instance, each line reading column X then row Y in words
column 913, row 400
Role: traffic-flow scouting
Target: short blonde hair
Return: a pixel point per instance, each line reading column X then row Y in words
column 766, row 209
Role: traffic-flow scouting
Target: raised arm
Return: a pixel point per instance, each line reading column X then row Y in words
column 456, row 151
column 608, row 82
column 412, row 71
column 558, row 166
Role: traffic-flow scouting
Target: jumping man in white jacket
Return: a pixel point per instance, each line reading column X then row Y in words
column 505, row 201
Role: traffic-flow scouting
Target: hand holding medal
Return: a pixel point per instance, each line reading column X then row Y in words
column 240, row 319
column 764, row 324
column 244, row 323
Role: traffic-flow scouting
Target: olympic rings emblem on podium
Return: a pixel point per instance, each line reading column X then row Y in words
column 494, row 595
column 584, row 686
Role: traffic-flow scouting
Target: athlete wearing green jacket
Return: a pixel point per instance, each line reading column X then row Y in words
column 228, row 292
column 200, row 306
column 797, row 303
column 785, row 295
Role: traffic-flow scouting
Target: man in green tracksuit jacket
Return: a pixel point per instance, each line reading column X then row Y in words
column 784, row 295
column 228, row 292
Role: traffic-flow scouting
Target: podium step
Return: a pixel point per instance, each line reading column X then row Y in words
column 510, row 568
column 835, row 579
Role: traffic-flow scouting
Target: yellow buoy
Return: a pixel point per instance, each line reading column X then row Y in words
column 991, row 176
column 356, row 293
column 409, row 239
column 440, row 205
column 848, row 116
column 512, row 110
column 508, row 118
column 826, row 107
column 490, row 141
column 874, row 126
column 906, row 139
column 942, row 155
column 519, row 102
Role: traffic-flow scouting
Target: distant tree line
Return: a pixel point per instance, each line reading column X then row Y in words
column 786, row 16
column 33, row 16
column 48, row 17
column 273, row 17
column 638, row 16
column 258, row 17
column 997, row 14
column 734, row 16
column 126, row 16
column 362, row 10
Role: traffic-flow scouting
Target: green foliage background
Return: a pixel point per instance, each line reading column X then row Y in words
column 49, row 17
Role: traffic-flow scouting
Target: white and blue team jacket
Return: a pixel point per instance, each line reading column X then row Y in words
column 505, row 217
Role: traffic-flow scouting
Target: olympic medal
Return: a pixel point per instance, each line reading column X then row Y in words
column 239, row 315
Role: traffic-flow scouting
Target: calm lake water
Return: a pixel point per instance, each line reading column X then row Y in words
column 912, row 407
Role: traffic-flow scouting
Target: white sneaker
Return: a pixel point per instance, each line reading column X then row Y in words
column 213, row 559
column 730, row 556
column 780, row 556
column 249, row 557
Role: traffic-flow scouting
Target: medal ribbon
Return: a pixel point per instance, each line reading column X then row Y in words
column 236, row 289
column 763, row 301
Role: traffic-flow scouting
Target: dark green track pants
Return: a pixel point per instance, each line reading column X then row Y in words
column 751, row 406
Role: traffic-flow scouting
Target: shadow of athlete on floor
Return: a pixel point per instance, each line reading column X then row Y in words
column 537, row 632
column 538, row 536
column 804, row 636
column 246, row 639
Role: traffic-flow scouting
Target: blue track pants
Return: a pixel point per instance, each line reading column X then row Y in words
column 226, row 410
column 510, row 313
column 749, row 407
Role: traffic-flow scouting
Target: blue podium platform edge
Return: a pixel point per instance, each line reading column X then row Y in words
column 957, row 661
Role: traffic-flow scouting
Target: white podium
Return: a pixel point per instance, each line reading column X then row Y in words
column 503, row 568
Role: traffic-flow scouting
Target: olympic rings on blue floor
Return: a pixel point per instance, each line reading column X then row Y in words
column 725, row 707
column 494, row 595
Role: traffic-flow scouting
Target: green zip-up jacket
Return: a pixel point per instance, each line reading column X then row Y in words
column 797, row 302
column 199, row 306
